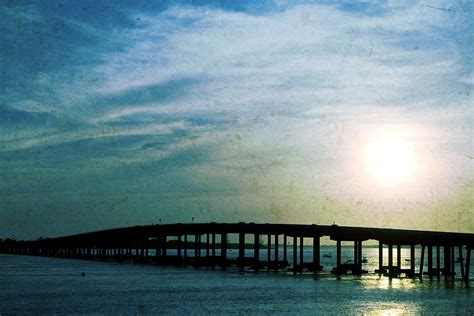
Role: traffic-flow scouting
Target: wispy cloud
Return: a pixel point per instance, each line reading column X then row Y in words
column 245, row 102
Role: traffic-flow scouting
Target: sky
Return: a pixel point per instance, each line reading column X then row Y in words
column 123, row 113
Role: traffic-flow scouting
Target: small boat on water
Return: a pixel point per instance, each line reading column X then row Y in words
column 364, row 260
column 327, row 255
column 408, row 260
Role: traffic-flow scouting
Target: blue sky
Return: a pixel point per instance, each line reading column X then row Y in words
column 116, row 113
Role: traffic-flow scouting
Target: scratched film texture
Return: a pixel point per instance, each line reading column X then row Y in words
column 120, row 113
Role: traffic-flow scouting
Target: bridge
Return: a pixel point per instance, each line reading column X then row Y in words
column 209, row 244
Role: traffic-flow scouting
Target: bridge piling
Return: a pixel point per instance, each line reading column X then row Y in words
column 412, row 260
column 269, row 249
column 301, row 253
column 316, row 254
column 390, row 260
column 447, row 261
column 380, row 270
column 241, row 259
column 295, row 253
column 185, row 247
column 461, row 265
column 422, row 258
column 276, row 252
column 468, row 264
column 224, row 251
column 430, row 261
column 399, row 258
column 438, row 261
column 256, row 249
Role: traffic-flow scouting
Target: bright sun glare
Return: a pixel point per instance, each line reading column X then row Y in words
column 390, row 160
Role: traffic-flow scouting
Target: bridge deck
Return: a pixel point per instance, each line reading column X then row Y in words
column 119, row 242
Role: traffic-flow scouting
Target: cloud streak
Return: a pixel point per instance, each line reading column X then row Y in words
column 267, row 104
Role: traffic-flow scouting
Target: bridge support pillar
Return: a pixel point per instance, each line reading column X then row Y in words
column 412, row 260
column 256, row 251
column 196, row 247
column 301, row 253
column 399, row 258
column 468, row 264
column 338, row 256
column 213, row 244
column 453, row 273
column 316, row 254
column 224, row 250
column 178, row 249
column 158, row 246
column 285, row 254
column 461, row 262
column 422, row 260
column 356, row 254
column 390, row 260
column 207, row 245
column 185, row 247
column 295, row 253
column 380, row 257
column 438, row 261
column 165, row 245
column 276, row 252
column 241, row 259
column 269, row 249
column 430, row 261
column 447, row 261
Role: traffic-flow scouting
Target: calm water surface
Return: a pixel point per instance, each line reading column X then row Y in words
column 38, row 285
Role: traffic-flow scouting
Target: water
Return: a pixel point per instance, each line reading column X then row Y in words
column 40, row 285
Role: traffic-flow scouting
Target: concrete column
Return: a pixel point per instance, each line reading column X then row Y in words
column 356, row 253
column 338, row 254
column 158, row 246
column 285, row 255
column 165, row 245
column 276, row 252
column 453, row 264
column 430, row 261
column 301, row 251
column 468, row 264
column 196, row 241
column 178, row 246
column 399, row 257
column 213, row 244
column 241, row 249
column 380, row 257
column 256, row 250
column 295, row 253
column 207, row 244
column 269, row 248
column 390, row 258
column 422, row 260
column 438, row 261
column 461, row 265
column 224, row 250
column 412, row 259
column 447, row 260
column 185, row 246
column 316, row 254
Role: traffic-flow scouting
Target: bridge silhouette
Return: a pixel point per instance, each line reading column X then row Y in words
column 210, row 243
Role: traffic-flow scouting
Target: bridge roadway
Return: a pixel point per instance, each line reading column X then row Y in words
column 214, row 240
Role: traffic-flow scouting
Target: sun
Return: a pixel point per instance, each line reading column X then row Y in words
column 390, row 160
